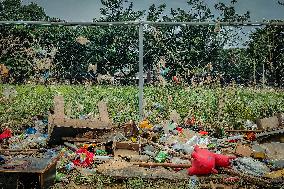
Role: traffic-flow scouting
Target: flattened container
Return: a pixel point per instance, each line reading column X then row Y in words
column 28, row 173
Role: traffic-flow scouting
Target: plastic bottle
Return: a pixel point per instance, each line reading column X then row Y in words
column 193, row 182
column 161, row 157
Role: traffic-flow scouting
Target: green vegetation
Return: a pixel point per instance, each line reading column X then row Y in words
column 235, row 104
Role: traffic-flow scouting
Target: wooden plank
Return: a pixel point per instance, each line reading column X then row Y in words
column 151, row 164
column 127, row 145
column 71, row 139
column 59, row 106
column 104, row 116
column 77, row 123
column 244, row 131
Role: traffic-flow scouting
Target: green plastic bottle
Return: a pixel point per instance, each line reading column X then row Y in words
column 161, row 157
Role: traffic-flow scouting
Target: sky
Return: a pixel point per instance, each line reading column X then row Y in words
column 86, row 10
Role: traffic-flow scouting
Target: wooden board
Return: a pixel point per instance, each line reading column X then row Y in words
column 59, row 106
column 104, row 117
column 33, row 173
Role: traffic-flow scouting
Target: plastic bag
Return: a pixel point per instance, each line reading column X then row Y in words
column 84, row 158
column 7, row 133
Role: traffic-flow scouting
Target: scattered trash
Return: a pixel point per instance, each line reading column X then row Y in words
column 275, row 174
column 161, row 157
column 170, row 149
column 31, row 130
column 145, row 125
column 60, row 177
column 82, row 40
column 250, row 166
column 193, row 182
column 84, row 158
column 2, row 160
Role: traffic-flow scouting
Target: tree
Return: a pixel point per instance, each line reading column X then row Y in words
column 116, row 47
column 188, row 50
column 14, row 10
column 267, row 47
column 17, row 41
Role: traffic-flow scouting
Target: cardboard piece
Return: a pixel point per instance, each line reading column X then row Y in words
column 242, row 150
column 269, row 123
column 59, row 107
column 175, row 117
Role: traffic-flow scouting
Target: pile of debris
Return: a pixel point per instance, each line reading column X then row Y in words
column 172, row 150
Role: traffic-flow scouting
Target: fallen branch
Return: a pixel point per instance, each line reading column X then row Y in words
column 172, row 165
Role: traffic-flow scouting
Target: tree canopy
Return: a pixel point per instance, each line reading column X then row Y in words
column 187, row 52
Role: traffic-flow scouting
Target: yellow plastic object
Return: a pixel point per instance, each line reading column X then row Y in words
column 145, row 125
column 275, row 174
column 259, row 155
column 133, row 139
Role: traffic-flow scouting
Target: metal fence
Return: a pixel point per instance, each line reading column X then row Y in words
column 218, row 61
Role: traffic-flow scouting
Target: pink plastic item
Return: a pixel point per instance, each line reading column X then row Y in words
column 203, row 162
column 223, row 160
column 7, row 133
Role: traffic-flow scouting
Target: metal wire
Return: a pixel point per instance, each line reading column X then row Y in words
column 43, row 23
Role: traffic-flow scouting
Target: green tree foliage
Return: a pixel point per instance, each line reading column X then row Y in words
column 116, row 47
column 15, row 10
column 17, row 41
column 188, row 51
column 235, row 65
column 267, row 48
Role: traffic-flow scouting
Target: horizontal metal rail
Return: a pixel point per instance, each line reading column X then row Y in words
column 280, row 23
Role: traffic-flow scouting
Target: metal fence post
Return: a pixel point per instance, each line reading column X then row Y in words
column 141, row 72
